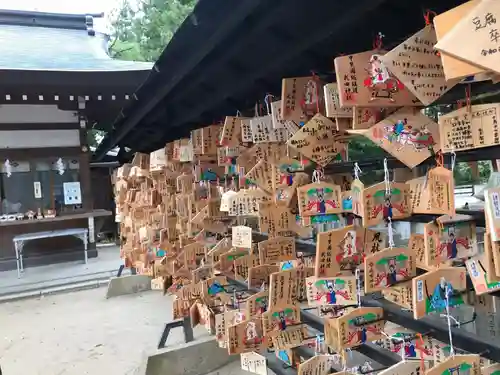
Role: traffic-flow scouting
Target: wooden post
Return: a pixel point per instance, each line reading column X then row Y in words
column 474, row 166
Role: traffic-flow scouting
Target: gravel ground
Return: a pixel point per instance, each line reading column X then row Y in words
column 83, row 333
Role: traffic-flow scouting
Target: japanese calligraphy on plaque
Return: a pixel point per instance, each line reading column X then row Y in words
column 418, row 66
column 210, row 135
column 278, row 122
column 316, row 140
column 276, row 250
column 420, row 197
column 400, row 294
column 445, row 22
column 242, row 237
column 254, row 363
column 231, row 132
column 242, row 265
column 477, row 269
column 442, row 191
column 468, row 128
column 257, row 304
column 246, row 130
column 492, row 212
column 365, row 80
column 332, row 103
column 417, row 245
column 281, row 289
column 389, row 267
column 476, row 38
column 317, row 365
column 263, row 175
column 406, row 134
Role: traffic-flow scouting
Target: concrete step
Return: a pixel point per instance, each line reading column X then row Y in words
column 62, row 288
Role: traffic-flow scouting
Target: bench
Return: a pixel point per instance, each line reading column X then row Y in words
column 464, row 190
column 20, row 240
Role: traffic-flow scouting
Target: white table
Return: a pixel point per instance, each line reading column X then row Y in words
column 19, row 241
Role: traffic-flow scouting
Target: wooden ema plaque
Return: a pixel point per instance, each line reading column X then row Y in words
column 226, row 260
column 243, row 264
column 465, row 129
column 444, row 23
column 289, row 338
column 314, row 140
column 280, row 289
column 365, row 81
column 260, row 275
column 278, row 220
column 277, row 250
column 277, row 119
column 407, row 368
column 417, row 245
column 491, row 370
column 257, row 304
column 389, row 267
column 247, row 336
column 317, row 365
column 361, row 325
column 332, row 103
column 277, row 319
column 418, row 66
column 492, row 212
column 378, row 206
column 299, row 275
column 230, row 135
column 401, row 294
column 477, row 268
column 319, row 198
column 450, row 239
column 254, row 363
column 343, row 249
column 242, row 237
column 429, row 290
column 407, row 134
column 337, row 291
column 420, row 197
column 441, row 185
column 262, row 175
column 263, row 130
column 475, row 38
column 302, row 99
column 457, row 364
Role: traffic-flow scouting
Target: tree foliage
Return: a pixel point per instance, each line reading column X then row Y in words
column 141, row 33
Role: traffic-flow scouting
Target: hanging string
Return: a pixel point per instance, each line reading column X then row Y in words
column 8, row 168
column 318, row 175
column 267, row 101
column 453, row 160
column 387, row 179
column 378, row 41
column 357, row 171
column 429, row 17
column 358, row 286
column 390, row 233
column 447, row 304
column 439, row 159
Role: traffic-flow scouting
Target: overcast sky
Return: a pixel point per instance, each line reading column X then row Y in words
column 66, row 6
column 61, row 6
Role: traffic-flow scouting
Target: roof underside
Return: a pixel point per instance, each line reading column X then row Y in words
column 225, row 57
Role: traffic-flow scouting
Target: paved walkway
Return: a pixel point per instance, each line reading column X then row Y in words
column 36, row 278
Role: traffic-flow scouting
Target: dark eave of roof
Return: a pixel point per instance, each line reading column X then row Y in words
column 44, row 19
column 224, row 62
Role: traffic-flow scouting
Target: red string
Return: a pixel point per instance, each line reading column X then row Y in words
column 377, row 42
column 467, row 96
column 429, row 17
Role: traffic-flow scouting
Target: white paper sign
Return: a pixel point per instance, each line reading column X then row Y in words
column 225, row 200
column 262, row 129
column 72, row 193
column 186, row 153
column 278, row 122
column 242, row 237
column 37, row 189
column 254, row 362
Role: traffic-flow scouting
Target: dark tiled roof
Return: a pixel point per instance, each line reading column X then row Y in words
column 54, row 48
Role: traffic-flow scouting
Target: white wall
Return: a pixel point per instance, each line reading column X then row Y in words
column 39, row 138
column 35, row 113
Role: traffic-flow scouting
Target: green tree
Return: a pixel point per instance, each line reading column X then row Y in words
column 142, row 33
